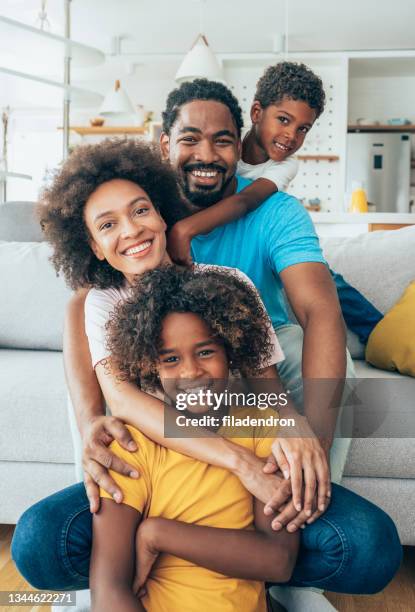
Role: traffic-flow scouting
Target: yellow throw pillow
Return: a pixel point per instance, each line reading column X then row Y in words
column 391, row 345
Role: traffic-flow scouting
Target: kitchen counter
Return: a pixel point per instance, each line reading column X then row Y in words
column 352, row 224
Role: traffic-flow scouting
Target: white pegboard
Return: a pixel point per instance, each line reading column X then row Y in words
column 315, row 179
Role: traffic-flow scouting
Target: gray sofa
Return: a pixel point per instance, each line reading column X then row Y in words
column 36, row 452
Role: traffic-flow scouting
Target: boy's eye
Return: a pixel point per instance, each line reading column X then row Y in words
column 283, row 120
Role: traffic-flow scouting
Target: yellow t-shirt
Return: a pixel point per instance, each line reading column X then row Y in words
column 174, row 486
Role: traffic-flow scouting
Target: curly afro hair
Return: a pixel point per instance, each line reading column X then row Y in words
column 291, row 80
column 200, row 89
column 62, row 203
column 227, row 304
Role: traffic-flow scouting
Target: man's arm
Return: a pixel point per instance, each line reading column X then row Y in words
column 113, row 558
column 313, row 298
column 225, row 211
column 261, row 554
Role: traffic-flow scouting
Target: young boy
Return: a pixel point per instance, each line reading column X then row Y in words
column 182, row 330
column 288, row 99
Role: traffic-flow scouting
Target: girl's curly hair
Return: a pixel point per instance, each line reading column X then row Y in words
column 227, row 304
column 62, row 203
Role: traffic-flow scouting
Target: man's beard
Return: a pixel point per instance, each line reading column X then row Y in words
column 203, row 196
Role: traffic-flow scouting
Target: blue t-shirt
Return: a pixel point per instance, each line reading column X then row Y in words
column 262, row 244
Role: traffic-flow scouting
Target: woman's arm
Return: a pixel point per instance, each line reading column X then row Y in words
column 113, row 558
column 227, row 210
column 147, row 413
column 261, row 554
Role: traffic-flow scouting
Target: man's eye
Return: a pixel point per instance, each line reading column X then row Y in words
column 223, row 141
column 188, row 139
column 140, row 211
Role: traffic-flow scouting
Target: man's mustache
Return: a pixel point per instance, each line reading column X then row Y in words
column 204, row 167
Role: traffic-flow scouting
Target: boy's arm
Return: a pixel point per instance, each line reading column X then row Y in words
column 225, row 211
column 261, row 554
column 113, row 558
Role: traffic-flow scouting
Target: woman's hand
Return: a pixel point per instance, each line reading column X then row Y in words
column 178, row 243
column 271, row 489
column 146, row 554
column 97, row 458
column 304, row 461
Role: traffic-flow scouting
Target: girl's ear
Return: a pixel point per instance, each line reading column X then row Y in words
column 256, row 111
column 97, row 250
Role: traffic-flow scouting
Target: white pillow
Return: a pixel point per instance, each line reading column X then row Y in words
column 33, row 298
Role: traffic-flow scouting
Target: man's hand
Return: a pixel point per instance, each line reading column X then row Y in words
column 146, row 553
column 178, row 244
column 303, row 460
column 97, row 459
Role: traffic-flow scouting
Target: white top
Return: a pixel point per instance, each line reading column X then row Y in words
column 280, row 173
column 100, row 303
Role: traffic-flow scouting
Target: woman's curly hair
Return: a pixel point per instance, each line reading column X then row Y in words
column 62, row 203
column 292, row 80
column 227, row 304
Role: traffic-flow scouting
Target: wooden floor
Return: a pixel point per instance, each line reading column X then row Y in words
column 399, row 596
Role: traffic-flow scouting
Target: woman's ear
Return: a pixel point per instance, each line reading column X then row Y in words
column 256, row 111
column 96, row 249
column 164, row 146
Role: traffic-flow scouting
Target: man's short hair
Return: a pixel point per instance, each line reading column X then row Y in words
column 200, row 89
column 291, row 80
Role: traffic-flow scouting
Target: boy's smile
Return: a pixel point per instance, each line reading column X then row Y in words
column 279, row 129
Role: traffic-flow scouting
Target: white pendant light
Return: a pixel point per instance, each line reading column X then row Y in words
column 200, row 62
column 116, row 102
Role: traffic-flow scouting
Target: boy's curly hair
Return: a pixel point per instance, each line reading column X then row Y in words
column 62, row 203
column 227, row 304
column 200, row 89
column 292, row 80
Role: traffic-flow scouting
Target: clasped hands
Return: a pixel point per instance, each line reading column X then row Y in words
column 294, row 482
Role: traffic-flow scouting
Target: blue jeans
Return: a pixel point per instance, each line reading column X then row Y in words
column 353, row 548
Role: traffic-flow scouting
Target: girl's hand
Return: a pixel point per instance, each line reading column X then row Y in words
column 178, row 244
column 146, row 554
column 270, row 489
column 304, row 461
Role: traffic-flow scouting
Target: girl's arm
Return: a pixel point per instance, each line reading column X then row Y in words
column 113, row 558
column 261, row 554
column 225, row 211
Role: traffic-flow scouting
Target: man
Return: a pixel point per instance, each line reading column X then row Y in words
column 277, row 247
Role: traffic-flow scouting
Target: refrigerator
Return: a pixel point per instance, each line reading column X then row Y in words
column 382, row 162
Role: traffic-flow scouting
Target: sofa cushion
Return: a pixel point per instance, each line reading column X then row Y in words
column 33, row 407
column 33, row 297
column 379, row 264
column 391, row 344
column 18, row 222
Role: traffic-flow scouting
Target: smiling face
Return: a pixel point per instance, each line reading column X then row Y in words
column 191, row 359
column 203, row 147
column 125, row 228
column 280, row 128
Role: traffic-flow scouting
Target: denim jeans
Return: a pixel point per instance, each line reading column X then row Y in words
column 353, row 548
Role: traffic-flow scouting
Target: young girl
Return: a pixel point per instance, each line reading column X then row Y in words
column 182, row 330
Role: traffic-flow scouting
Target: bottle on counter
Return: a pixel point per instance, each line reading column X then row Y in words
column 358, row 201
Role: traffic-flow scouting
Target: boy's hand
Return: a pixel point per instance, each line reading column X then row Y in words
column 97, row 459
column 178, row 244
column 146, row 554
column 303, row 460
